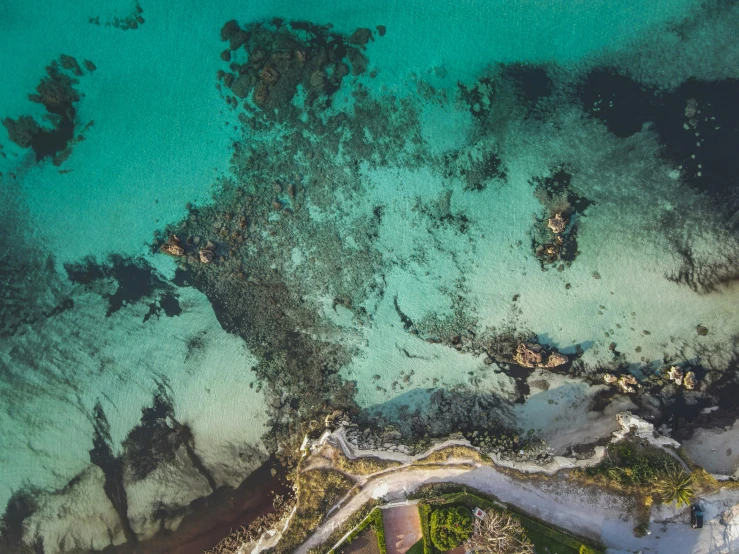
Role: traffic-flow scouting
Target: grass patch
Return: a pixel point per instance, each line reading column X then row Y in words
column 364, row 465
column 416, row 548
column 424, row 512
column 317, row 491
column 454, row 451
column 357, row 519
column 630, row 465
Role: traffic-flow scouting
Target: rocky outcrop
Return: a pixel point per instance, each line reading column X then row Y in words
column 173, row 247
column 680, row 378
column 557, row 223
column 533, row 355
column 625, row 382
column 22, row 130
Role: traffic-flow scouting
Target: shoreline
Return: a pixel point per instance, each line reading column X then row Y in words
column 212, row 518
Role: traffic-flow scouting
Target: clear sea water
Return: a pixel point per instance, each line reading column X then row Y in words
column 163, row 135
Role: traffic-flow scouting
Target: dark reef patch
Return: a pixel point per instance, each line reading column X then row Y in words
column 168, row 303
column 701, row 274
column 22, row 505
column 156, row 439
column 522, row 84
column 283, row 56
column 102, row 456
column 697, row 123
column 554, row 235
column 532, row 82
column 131, row 21
column 476, row 170
column 57, row 93
column 136, row 280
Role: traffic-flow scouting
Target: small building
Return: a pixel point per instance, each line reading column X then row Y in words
column 479, row 513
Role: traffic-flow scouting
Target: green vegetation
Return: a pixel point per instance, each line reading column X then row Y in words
column 358, row 519
column 584, row 549
column 379, row 527
column 424, row 512
column 542, row 534
column 365, row 465
column 674, row 486
column 647, row 470
column 416, row 548
column 453, row 451
column 630, row 465
column 318, row 490
column 450, row 527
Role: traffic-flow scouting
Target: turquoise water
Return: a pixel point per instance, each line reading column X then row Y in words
column 412, row 243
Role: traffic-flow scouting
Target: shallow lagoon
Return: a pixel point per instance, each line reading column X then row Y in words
column 453, row 178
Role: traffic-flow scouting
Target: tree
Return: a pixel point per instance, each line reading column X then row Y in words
column 450, row 527
column 500, row 533
column 674, row 486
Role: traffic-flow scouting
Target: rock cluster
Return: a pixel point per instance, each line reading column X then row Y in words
column 533, row 355
column 388, row 440
column 557, row 223
column 173, row 246
column 130, row 21
column 511, row 447
column 687, row 379
column 626, row 382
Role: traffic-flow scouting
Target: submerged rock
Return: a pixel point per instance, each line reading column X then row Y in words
column 22, row 130
column 206, row 256
column 361, row 36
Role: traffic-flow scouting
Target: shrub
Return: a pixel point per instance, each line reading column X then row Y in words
column 379, row 526
column 450, row 527
column 629, row 464
column 585, row 549
column 424, row 511
column 675, row 486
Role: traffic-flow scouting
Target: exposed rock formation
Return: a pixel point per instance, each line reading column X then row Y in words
column 675, row 374
column 690, row 381
column 610, row 378
column 557, row 223
column 173, row 247
column 533, row 355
